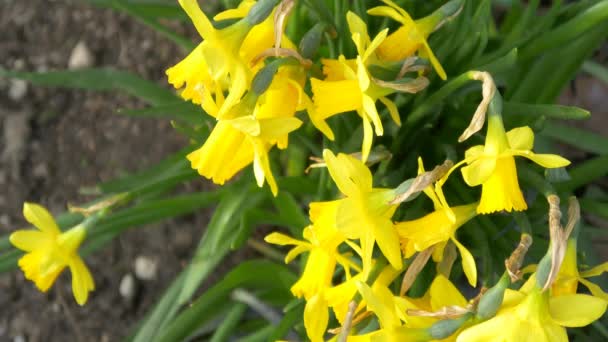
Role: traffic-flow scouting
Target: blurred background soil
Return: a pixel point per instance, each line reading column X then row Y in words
column 53, row 142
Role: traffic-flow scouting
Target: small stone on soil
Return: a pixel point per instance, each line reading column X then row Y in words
column 16, row 133
column 145, row 268
column 127, row 286
column 81, row 57
column 17, row 89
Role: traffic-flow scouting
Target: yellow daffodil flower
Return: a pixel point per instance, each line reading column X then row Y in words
column 223, row 61
column 349, row 87
column 321, row 241
column 493, row 166
column 392, row 311
column 49, row 251
column 441, row 294
column 365, row 212
column 250, row 129
column 569, row 275
column 339, row 296
column 382, row 303
column 536, row 317
column 214, row 62
column 437, row 228
column 409, row 38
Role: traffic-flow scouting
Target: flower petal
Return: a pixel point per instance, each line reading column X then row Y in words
column 468, row 263
column 386, row 11
column 281, row 239
column 379, row 301
column 369, row 107
column 40, row 218
column 473, row 152
column 275, row 128
column 362, row 75
column 549, row 161
column 521, row 138
column 499, row 328
column 294, row 252
column 316, row 317
column 434, row 61
column 392, row 109
column 368, row 137
column 350, row 174
column 576, row 310
column 595, row 271
column 479, row 171
column 388, row 241
column 594, row 289
column 380, row 37
column 29, row 240
column 199, row 19
column 82, row 281
column 358, row 27
column 443, row 293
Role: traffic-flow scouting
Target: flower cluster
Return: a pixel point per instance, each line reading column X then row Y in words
column 254, row 81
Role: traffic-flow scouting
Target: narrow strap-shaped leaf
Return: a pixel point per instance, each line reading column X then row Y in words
column 579, row 138
column 250, row 274
column 100, row 80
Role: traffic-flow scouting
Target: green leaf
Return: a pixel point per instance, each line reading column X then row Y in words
column 548, row 110
column 149, row 13
column 167, row 9
column 8, row 260
column 181, row 110
column 585, row 173
column 596, row 70
column 170, row 166
column 229, row 322
column 569, row 31
column 146, row 330
column 594, row 207
column 98, row 79
column 545, row 78
column 213, row 247
column 261, row 335
column 291, row 213
column 253, row 274
column 148, row 212
column 292, row 316
column 579, row 138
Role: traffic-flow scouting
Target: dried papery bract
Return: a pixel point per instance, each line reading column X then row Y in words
column 280, row 15
column 446, row 312
column 414, row 269
column 488, row 92
column 422, row 181
column 559, row 235
column 514, row 262
column 348, row 322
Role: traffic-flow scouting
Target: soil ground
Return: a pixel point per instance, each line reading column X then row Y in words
column 55, row 141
